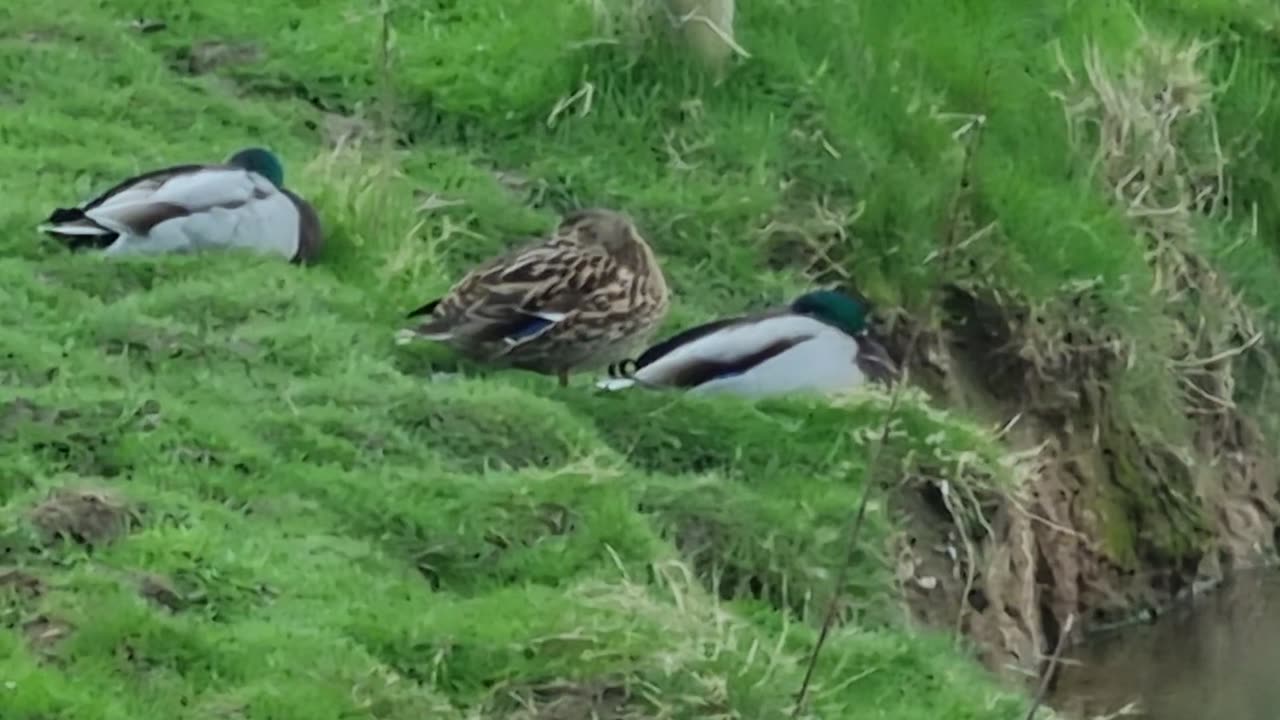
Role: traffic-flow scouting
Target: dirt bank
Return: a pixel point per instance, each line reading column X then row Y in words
column 1144, row 470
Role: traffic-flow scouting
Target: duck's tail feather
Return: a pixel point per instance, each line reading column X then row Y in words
column 623, row 368
column 77, row 230
column 72, row 221
column 425, row 309
column 408, row 335
column 615, row 383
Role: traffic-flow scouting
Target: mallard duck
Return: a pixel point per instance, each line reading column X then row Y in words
column 817, row 343
column 239, row 203
column 583, row 297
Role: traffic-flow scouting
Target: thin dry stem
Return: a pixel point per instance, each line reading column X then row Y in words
column 869, row 477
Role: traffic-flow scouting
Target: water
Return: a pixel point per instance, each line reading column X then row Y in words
column 1215, row 659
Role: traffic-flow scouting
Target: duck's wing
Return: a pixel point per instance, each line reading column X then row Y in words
column 526, row 244
column 684, row 337
column 73, row 224
column 522, row 294
column 722, row 348
column 135, row 207
column 183, row 195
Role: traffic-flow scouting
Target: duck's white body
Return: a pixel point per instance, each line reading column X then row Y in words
column 795, row 353
column 190, row 208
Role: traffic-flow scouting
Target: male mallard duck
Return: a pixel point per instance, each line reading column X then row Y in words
column 582, row 297
column 239, row 203
column 819, row 342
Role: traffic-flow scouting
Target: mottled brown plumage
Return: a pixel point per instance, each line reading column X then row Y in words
column 583, row 297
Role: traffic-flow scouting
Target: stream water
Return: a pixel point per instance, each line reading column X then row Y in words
column 1217, row 658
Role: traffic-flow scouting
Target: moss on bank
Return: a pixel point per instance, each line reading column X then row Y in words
column 310, row 527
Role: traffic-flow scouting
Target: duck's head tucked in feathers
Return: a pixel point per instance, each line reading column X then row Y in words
column 835, row 308
column 262, row 161
column 609, row 229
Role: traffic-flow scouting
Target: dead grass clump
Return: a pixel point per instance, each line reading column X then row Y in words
column 1159, row 155
column 604, row 699
column 815, row 241
column 160, row 591
column 19, row 591
column 455, row 559
column 82, row 440
column 44, row 632
column 21, row 583
column 1038, row 358
column 87, row 517
column 207, row 56
column 711, row 551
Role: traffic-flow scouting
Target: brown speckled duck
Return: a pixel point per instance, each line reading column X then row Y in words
column 582, row 298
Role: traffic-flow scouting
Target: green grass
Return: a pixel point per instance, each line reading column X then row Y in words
column 343, row 537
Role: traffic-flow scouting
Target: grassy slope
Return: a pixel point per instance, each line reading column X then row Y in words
column 349, row 540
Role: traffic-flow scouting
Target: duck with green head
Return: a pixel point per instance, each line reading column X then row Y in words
column 817, row 343
column 241, row 203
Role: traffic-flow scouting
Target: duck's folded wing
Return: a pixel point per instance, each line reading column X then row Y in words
column 521, row 295
column 683, row 337
column 141, row 186
column 74, row 222
column 138, row 209
column 722, row 348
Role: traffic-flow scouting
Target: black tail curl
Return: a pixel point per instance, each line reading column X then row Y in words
column 623, row 368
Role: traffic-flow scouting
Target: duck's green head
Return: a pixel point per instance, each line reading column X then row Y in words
column 834, row 308
column 262, row 161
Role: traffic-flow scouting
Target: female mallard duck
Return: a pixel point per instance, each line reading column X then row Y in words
column 818, row 343
column 241, row 203
column 583, row 297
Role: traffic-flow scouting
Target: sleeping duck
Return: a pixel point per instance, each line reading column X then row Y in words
column 241, row 203
column 583, row 297
column 817, row 343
